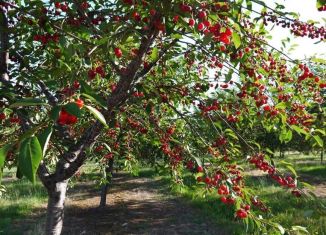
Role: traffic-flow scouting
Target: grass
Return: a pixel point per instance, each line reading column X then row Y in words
column 288, row 210
column 19, row 202
column 285, row 209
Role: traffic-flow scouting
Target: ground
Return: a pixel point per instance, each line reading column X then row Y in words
column 134, row 206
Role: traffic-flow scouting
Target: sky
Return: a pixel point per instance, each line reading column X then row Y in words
column 305, row 46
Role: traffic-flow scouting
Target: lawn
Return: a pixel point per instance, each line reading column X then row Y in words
column 21, row 201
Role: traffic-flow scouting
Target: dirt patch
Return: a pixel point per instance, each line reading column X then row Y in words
column 135, row 206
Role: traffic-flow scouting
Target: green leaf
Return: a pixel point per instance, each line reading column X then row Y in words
column 319, row 141
column 282, row 230
column 44, row 139
column 28, row 102
column 292, row 170
column 230, row 133
column 286, row 163
column 19, row 173
column 285, row 136
column 54, row 113
column 320, row 3
column 73, row 109
column 97, row 114
column 89, row 93
column 107, row 147
column 299, row 130
column 281, row 105
column 176, row 36
column 318, row 60
column 306, row 185
column 3, row 153
column 249, row 4
column 199, row 162
column 29, row 158
column 236, row 39
column 300, row 229
column 155, row 54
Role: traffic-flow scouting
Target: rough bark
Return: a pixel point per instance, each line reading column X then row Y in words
column 4, row 46
column 108, row 171
column 55, row 209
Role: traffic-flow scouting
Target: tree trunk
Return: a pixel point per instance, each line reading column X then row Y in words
column 4, row 47
column 104, row 189
column 322, row 156
column 55, row 210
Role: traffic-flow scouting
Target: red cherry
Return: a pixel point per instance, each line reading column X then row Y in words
column 224, row 200
column 175, row 19
column 14, row 120
column 247, row 207
column 2, row 116
column 207, row 23
column 136, row 16
column 84, row 5
column 201, row 26
column 91, row 74
column 230, row 200
column 152, row 12
column 63, row 117
column 118, row 52
column 64, row 7
column 222, row 48
column 242, row 214
column 76, row 84
column 99, row 148
column 267, row 108
column 200, row 169
column 66, row 119
column 80, row 103
column 191, row 22
column 202, row 15
column 207, row 180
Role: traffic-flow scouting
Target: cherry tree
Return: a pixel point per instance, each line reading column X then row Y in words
column 184, row 77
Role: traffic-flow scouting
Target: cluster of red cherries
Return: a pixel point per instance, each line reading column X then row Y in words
column 286, row 181
column 137, row 126
column 46, row 38
column 175, row 152
column 12, row 119
column 297, row 27
column 94, row 71
column 65, row 118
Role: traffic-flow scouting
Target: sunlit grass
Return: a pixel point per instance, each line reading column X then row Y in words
column 19, row 201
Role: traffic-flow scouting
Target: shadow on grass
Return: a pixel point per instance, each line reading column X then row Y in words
column 315, row 171
column 22, row 200
column 166, row 215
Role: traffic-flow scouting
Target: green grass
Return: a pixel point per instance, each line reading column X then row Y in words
column 288, row 210
column 285, row 209
column 19, row 202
